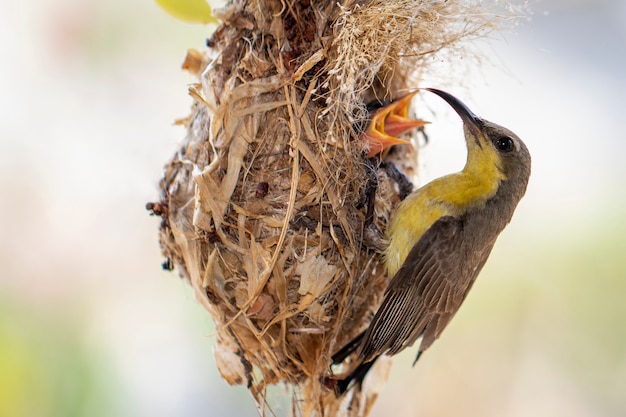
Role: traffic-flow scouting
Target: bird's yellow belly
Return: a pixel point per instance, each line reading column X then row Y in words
column 451, row 195
column 410, row 222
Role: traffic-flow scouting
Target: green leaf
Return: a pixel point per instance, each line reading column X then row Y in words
column 192, row 11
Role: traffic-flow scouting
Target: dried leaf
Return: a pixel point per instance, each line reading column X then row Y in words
column 315, row 274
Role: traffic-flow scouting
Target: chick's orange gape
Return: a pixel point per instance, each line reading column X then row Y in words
column 387, row 123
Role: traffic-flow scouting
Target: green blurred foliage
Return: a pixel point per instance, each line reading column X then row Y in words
column 48, row 369
column 585, row 282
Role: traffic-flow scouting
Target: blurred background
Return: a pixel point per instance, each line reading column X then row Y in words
column 91, row 326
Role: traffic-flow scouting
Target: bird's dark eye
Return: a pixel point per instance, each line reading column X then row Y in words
column 504, row 144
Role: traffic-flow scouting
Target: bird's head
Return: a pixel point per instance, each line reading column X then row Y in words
column 490, row 145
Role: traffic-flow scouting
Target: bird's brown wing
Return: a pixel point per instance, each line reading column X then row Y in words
column 423, row 295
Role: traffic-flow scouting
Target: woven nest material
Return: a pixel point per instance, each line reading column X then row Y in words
column 262, row 205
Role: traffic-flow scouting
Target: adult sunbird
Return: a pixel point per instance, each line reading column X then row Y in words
column 439, row 240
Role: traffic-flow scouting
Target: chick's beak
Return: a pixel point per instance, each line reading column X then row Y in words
column 387, row 123
column 397, row 121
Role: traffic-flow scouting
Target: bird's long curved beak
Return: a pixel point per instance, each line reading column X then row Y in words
column 472, row 121
column 387, row 123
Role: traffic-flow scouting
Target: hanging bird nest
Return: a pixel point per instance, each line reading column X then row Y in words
column 262, row 205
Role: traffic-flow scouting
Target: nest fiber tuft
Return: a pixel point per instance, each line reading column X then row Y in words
column 262, row 205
